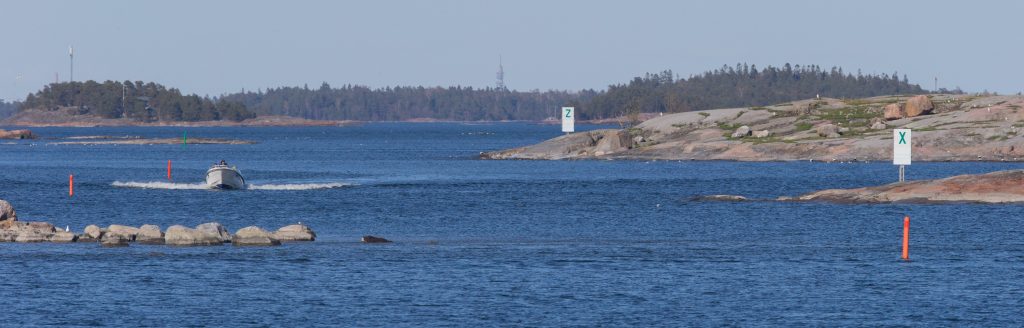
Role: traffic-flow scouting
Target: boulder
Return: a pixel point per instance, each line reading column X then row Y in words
column 150, row 234
column 741, row 132
column 295, row 232
column 178, row 235
column 918, row 105
column 762, row 134
column 828, row 130
column 63, row 237
column 216, row 230
column 93, row 232
column 892, row 112
column 879, row 126
column 7, row 211
column 114, row 240
column 254, row 236
column 125, row 232
column 374, row 240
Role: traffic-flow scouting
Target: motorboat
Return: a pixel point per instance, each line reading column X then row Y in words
column 222, row 176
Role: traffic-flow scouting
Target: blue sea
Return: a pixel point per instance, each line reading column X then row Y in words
column 491, row 243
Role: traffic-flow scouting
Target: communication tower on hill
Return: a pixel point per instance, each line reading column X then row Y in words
column 500, row 75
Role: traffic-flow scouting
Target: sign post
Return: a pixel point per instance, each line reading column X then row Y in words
column 568, row 115
column 901, row 151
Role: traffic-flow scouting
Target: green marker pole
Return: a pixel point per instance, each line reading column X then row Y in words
column 184, row 139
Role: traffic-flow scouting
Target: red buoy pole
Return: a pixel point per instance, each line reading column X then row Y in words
column 906, row 238
column 168, row 170
column 71, row 185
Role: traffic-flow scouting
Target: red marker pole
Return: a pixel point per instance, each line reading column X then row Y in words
column 71, row 185
column 906, row 238
column 168, row 170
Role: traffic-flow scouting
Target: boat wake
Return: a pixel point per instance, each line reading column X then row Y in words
column 297, row 186
column 201, row 186
column 160, row 185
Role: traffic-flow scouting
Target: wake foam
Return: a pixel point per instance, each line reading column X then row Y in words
column 201, row 186
column 297, row 186
column 160, row 185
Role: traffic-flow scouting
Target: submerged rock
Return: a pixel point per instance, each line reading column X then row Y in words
column 721, row 198
column 150, row 234
column 374, row 240
column 295, row 232
column 114, row 240
column 216, row 230
column 254, row 236
column 178, row 235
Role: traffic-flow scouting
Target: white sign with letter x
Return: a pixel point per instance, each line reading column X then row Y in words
column 901, row 146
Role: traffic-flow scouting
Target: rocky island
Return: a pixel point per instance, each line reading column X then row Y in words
column 947, row 127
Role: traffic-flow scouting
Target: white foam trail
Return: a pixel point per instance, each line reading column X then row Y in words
column 159, row 185
column 298, row 186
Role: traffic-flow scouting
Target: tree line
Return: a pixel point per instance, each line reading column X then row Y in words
column 354, row 102
column 8, row 108
column 740, row 86
column 134, row 100
column 729, row 86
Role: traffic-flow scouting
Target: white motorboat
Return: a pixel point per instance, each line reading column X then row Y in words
column 222, row 176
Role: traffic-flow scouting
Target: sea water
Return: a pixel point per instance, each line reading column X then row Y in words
column 490, row 243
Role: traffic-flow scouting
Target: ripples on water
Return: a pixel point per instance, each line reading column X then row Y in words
column 529, row 243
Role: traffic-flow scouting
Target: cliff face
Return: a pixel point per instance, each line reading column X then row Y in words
column 958, row 128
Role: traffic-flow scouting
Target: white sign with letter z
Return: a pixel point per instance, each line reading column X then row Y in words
column 568, row 119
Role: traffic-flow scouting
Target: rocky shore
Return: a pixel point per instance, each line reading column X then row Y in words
column 946, row 128
column 206, row 234
column 995, row 187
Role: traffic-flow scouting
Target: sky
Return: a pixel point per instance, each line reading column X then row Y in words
column 217, row 47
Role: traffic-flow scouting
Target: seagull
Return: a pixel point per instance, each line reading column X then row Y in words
column 67, row 228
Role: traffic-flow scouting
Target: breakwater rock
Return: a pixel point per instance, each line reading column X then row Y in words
column 206, row 234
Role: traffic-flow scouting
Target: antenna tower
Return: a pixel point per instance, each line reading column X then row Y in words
column 500, row 75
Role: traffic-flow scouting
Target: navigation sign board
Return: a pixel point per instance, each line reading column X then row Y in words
column 901, row 146
column 568, row 115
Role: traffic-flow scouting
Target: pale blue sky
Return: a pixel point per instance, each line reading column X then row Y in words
column 213, row 47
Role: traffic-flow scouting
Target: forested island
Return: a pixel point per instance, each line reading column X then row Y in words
column 729, row 86
column 138, row 101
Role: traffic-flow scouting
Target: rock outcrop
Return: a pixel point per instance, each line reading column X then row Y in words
column 762, row 134
column 995, row 187
column 374, row 240
column 295, row 232
column 254, row 236
column 216, row 230
column 63, row 237
column 16, row 134
column 150, row 235
column 917, row 106
column 720, row 198
column 178, row 235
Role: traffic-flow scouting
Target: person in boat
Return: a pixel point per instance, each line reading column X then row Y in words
column 223, row 162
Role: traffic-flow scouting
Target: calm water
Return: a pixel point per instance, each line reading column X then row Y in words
column 491, row 243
